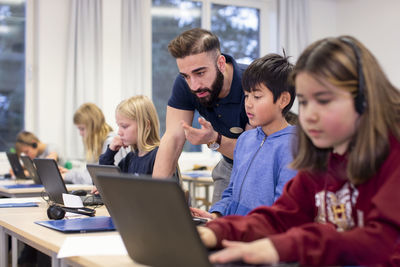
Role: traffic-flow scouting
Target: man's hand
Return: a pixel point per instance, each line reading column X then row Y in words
column 204, row 135
column 200, row 213
column 94, row 191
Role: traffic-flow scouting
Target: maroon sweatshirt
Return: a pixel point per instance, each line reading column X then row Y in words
column 322, row 219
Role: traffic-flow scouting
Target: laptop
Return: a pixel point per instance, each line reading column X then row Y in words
column 16, row 166
column 30, row 167
column 53, row 182
column 94, row 169
column 154, row 220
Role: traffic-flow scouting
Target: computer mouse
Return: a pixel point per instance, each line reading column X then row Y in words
column 80, row 192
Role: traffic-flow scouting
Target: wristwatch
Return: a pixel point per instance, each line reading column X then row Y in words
column 215, row 145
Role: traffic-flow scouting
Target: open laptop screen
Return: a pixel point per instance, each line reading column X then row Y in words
column 154, row 220
column 51, row 178
column 30, row 167
column 16, row 166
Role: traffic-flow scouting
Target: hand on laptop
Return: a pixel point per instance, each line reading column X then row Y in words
column 62, row 169
column 94, row 191
column 261, row 251
column 207, row 236
column 203, row 214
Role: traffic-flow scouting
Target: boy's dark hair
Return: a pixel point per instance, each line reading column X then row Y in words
column 273, row 71
column 193, row 42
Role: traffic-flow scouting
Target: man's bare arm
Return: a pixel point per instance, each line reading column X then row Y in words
column 172, row 142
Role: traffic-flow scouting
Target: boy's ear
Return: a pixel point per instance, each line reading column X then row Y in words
column 284, row 100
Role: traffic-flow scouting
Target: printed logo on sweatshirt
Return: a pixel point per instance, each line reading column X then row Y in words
column 337, row 207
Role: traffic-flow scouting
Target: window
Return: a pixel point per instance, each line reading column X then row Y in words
column 236, row 23
column 238, row 30
column 12, row 71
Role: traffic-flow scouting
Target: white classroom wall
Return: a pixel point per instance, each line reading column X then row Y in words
column 373, row 22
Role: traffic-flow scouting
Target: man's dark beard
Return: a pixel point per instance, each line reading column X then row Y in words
column 209, row 101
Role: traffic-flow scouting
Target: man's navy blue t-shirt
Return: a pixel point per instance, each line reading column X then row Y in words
column 227, row 114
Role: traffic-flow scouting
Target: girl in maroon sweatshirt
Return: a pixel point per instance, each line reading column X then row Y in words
column 343, row 207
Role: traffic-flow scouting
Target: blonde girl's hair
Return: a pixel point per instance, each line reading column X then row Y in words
column 141, row 109
column 97, row 129
column 25, row 138
column 344, row 62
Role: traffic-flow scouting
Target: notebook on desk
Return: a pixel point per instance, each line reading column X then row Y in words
column 80, row 225
column 53, row 182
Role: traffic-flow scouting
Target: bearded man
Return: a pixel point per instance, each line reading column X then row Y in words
column 211, row 83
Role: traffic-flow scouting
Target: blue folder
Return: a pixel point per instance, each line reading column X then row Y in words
column 15, row 186
column 80, row 225
column 18, row 205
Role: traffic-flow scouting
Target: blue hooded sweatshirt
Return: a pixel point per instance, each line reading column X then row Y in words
column 260, row 170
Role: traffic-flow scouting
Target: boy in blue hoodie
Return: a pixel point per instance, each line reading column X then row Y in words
column 262, row 155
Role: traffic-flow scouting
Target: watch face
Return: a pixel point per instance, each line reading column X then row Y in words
column 213, row 146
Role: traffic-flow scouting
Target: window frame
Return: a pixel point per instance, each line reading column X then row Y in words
column 31, row 94
column 268, row 27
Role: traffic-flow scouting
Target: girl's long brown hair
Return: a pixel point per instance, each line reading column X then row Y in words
column 334, row 60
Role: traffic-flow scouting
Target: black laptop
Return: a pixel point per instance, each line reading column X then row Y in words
column 94, row 169
column 54, row 184
column 30, row 167
column 153, row 219
column 16, row 166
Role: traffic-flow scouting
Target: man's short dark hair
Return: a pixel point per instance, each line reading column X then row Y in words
column 273, row 71
column 192, row 42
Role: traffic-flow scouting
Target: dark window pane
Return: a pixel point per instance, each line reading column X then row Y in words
column 12, row 71
column 169, row 19
column 239, row 31
column 237, row 28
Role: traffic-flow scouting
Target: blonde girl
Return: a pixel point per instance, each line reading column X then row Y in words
column 96, row 136
column 343, row 206
column 139, row 129
column 92, row 126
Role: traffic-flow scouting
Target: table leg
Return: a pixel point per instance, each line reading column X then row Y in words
column 54, row 261
column 14, row 251
column 3, row 248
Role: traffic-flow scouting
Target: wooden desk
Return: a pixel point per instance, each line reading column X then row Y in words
column 19, row 224
column 32, row 191
column 194, row 182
